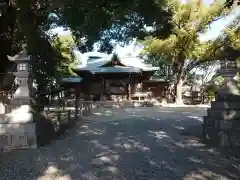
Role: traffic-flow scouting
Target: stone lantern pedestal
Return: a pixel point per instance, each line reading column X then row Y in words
column 221, row 126
column 19, row 128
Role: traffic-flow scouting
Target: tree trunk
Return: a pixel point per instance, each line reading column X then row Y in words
column 202, row 96
column 179, row 83
column 179, row 99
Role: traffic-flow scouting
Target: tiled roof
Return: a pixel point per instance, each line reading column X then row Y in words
column 116, row 70
column 137, row 62
column 101, row 59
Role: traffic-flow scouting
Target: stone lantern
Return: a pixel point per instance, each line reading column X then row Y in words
column 24, row 126
column 24, row 95
column 19, row 126
column 222, row 124
column 228, row 70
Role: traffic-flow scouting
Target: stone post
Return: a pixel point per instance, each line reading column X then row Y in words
column 221, row 126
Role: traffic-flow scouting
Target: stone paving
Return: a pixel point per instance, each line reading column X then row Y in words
column 126, row 144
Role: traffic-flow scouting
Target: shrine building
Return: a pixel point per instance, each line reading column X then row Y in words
column 104, row 75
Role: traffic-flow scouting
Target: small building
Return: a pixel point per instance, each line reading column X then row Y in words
column 105, row 75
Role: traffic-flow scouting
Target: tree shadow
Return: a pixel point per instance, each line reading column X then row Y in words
column 139, row 147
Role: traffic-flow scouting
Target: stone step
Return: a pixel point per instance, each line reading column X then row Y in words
column 224, row 114
column 224, row 105
column 227, row 97
column 222, row 124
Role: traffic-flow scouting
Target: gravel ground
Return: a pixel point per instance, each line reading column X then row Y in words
column 138, row 143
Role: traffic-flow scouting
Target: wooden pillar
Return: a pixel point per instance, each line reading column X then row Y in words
column 129, row 91
column 103, row 88
column 77, row 96
column 130, row 88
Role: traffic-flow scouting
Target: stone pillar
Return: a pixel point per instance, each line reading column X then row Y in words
column 221, row 126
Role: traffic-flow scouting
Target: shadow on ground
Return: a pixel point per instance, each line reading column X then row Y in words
column 137, row 147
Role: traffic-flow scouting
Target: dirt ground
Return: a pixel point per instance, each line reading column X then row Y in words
column 127, row 143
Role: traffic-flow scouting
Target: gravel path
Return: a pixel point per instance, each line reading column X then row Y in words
column 140, row 143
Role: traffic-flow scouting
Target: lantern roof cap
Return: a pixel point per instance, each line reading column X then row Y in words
column 22, row 56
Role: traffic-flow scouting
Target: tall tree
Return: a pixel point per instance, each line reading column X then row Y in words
column 182, row 46
column 94, row 20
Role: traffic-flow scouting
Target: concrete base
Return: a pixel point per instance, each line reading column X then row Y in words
column 22, row 129
column 17, row 136
column 17, row 129
column 42, row 131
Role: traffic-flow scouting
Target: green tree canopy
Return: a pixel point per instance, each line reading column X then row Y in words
column 97, row 21
column 226, row 46
column 183, row 45
column 63, row 44
column 108, row 20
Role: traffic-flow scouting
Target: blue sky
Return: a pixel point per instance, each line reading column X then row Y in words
column 214, row 31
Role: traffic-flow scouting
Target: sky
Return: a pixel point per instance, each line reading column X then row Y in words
column 214, row 31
